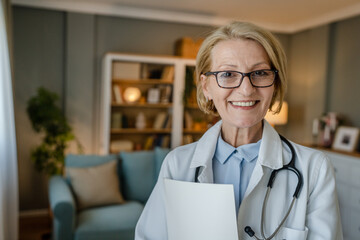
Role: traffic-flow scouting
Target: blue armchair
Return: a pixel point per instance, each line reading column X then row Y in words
column 137, row 171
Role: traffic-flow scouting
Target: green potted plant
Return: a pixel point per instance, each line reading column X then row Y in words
column 48, row 119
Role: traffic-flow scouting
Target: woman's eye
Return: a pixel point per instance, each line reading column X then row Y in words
column 260, row 73
column 227, row 74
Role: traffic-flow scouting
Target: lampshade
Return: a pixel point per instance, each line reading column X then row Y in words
column 132, row 94
column 280, row 118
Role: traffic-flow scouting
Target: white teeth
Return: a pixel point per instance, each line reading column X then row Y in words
column 244, row 104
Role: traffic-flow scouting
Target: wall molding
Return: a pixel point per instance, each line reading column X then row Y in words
column 119, row 10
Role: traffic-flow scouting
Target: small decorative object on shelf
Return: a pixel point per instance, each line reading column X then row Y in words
column 153, row 95
column 140, row 121
column 324, row 128
column 346, row 139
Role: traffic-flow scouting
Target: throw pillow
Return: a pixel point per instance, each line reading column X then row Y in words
column 95, row 186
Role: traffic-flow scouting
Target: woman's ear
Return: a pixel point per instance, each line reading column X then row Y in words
column 204, row 85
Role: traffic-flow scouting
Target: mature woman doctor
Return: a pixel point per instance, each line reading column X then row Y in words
column 241, row 72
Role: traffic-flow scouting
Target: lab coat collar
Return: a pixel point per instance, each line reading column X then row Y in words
column 270, row 153
column 204, row 153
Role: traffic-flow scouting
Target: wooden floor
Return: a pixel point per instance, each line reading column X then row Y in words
column 35, row 228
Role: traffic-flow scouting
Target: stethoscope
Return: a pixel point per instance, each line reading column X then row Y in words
column 291, row 167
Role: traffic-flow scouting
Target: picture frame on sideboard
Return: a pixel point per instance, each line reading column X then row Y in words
column 346, row 139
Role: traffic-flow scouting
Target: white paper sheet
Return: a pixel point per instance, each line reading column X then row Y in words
column 199, row 211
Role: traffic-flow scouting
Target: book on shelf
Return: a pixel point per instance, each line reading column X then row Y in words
column 117, row 94
column 157, row 141
column 167, row 122
column 165, row 93
column 116, row 120
column 149, row 143
column 126, row 70
column 168, row 73
column 160, row 120
column 125, row 121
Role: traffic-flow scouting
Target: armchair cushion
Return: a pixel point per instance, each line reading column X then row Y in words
column 95, row 186
column 109, row 222
column 138, row 174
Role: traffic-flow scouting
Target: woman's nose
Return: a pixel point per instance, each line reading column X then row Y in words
column 246, row 88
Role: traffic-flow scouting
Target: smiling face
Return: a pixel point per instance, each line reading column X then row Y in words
column 244, row 106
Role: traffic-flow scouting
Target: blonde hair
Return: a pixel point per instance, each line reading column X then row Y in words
column 242, row 30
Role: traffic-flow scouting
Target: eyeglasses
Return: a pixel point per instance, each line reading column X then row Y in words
column 232, row 79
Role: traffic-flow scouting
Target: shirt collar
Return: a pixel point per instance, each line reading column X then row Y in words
column 224, row 151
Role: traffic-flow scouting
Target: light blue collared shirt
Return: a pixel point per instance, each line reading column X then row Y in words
column 230, row 168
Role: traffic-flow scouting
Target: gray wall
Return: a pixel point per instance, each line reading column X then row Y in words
column 344, row 75
column 324, row 76
column 308, row 60
column 63, row 52
column 38, row 61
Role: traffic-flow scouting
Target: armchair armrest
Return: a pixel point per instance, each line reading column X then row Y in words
column 62, row 204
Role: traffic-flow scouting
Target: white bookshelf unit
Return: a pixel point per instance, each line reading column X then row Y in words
column 145, row 72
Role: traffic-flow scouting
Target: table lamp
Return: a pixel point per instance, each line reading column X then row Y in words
column 132, row 94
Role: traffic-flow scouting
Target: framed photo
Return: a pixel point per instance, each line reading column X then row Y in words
column 153, row 95
column 346, row 139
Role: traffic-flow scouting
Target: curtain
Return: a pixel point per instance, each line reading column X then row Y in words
column 8, row 159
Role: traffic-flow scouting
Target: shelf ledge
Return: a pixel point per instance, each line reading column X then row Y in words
column 140, row 131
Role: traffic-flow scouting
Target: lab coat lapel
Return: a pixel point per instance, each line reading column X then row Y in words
column 270, row 155
column 204, row 153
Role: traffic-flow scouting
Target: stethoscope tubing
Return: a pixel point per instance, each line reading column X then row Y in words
column 291, row 167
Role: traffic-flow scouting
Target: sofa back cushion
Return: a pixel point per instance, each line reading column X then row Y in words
column 137, row 174
column 140, row 171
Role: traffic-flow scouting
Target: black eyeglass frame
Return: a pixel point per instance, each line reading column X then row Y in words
column 243, row 76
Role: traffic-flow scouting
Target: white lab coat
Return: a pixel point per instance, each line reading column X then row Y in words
column 315, row 214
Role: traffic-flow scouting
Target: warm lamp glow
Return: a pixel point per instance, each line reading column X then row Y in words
column 280, row 118
column 132, row 94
